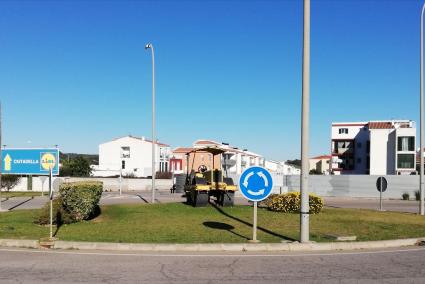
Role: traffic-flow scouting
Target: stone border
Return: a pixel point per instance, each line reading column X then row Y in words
column 238, row 247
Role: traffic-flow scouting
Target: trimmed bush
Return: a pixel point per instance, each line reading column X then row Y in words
column 291, row 203
column 405, row 196
column 80, row 199
column 76, row 201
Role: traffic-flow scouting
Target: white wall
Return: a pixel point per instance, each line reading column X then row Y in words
column 109, row 184
column 379, row 139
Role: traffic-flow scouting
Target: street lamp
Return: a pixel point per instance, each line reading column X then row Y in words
column 150, row 46
column 305, row 208
column 421, row 150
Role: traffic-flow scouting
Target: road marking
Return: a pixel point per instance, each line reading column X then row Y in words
column 210, row 255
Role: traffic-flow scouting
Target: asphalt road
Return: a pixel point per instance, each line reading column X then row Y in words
column 144, row 197
column 34, row 266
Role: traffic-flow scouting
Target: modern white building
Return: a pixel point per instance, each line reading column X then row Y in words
column 376, row 147
column 131, row 156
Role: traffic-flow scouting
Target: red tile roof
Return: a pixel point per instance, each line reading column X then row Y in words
column 203, row 142
column 322, row 157
column 380, row 125
column 182, row 150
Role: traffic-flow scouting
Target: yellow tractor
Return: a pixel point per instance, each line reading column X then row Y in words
column 204, row 183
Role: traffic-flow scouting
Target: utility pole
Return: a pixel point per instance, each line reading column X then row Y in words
column 421, row 123
column 305, row 208
column 150, row 46
column 1, row 160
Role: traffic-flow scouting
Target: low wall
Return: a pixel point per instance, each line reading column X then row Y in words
column 346, row 185
column 342, row 186
column 109, row 184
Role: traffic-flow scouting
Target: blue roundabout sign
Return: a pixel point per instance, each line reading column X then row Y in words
column 256, row 183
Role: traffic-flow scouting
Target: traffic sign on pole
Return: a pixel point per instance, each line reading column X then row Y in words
column 381, row 185
column 30, row 161
column 256, row 184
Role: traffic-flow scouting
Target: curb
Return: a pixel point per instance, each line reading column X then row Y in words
column 240, row 247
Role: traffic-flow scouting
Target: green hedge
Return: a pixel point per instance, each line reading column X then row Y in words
column 80, row 198
column 76, row 201
column 291, row 203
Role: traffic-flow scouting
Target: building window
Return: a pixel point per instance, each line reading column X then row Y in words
column 406, row 161
column 125, row 152
column 406, row 143
column 343, row 131
column 123, row 165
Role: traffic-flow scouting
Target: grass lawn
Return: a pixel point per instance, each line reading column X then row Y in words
column 179, row 223
column 9, row 194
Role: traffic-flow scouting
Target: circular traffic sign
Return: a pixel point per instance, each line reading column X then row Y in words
column 256, row 183
column 381, row 184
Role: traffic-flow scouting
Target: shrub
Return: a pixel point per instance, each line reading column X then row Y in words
column 291, row 203
column 80, row 199
column 405, row 196
column 163, row 175
column 417, row 195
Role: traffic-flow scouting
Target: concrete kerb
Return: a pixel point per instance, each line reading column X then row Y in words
column 238, row 247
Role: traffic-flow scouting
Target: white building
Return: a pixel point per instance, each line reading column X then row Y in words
column 375, row 147
column 281, row 168
column 132, row 156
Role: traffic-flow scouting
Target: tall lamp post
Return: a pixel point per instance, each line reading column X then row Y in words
column 150, row 46
column 421, row 124
column 1, row 160
column 305, row 208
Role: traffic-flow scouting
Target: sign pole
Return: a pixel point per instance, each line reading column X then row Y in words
column 254, row 226
column 380, row 196
column 120, row 181
column 1, row 159
column 51, row 203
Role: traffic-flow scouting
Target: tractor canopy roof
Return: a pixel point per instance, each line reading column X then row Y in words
column 215, row 150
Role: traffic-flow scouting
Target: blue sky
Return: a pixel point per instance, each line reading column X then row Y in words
column 75, row 73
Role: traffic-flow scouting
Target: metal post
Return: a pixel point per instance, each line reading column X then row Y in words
column 149, row 45
column 380, row 195
column 1, row 160
column 304, row 214
column 421, row 150
column 120, row 182
column 51, row 203
column 254, row 226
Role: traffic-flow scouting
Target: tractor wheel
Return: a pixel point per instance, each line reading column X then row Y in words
column 227, row 198
column 200, row 199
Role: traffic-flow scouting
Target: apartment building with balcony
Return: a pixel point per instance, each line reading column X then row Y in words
column 375, row 147
column 131, row 155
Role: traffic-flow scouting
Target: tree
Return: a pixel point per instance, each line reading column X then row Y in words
column 9, row 181
column 76, row 167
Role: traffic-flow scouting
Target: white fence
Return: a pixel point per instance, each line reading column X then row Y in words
column 343, row 185
column 109, row 184
column 346, row 185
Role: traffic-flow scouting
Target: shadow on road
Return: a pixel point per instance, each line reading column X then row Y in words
column 224, row 227
column 249, row 224
column 19, row 204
